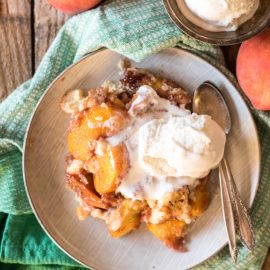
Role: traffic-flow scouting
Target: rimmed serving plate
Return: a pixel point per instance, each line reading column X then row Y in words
column 88, row 242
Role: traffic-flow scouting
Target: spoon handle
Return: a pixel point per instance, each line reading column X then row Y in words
column 228, row 211
column 246, row 232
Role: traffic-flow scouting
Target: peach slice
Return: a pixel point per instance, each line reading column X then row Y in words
column 86, row 192
column 125, row 218
column 98, row 121
column 109, row 168
column 170, row 232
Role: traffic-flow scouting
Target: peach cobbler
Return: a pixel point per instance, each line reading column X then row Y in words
column 138, row 155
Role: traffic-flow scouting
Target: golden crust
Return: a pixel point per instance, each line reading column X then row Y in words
column 134, row 78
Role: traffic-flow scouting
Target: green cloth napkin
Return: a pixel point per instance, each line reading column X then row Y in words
column 135, row 29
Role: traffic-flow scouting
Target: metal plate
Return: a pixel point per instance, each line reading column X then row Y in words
column 260, row 20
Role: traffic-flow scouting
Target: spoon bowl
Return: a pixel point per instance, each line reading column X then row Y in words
column 208, row 100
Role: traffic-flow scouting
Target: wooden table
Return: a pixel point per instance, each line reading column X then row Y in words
column 27, row 28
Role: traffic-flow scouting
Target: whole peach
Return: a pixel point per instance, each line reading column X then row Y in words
column 73, row 6
column 253, row 69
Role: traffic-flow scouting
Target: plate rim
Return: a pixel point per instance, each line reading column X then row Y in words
column 26, row 142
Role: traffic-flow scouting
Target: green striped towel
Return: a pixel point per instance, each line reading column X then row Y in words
column 135, row 29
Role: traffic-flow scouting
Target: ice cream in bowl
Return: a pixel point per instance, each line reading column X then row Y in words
column 222, row 22
column 219, row 15
column 137, row 155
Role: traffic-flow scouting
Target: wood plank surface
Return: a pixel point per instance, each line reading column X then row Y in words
column 25, row 36
column 266, row 265
column 47, row 23
column 15, row 44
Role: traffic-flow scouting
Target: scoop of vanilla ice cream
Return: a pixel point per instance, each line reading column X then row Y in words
column 223, row 13
column 168, row 147
column 187, row 146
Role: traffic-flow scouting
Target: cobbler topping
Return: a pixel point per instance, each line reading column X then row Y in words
column 73, row 101
column 135, row 78
column 75, row 166
column 128, row 141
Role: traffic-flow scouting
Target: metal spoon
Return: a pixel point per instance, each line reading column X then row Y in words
column 209, row 100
